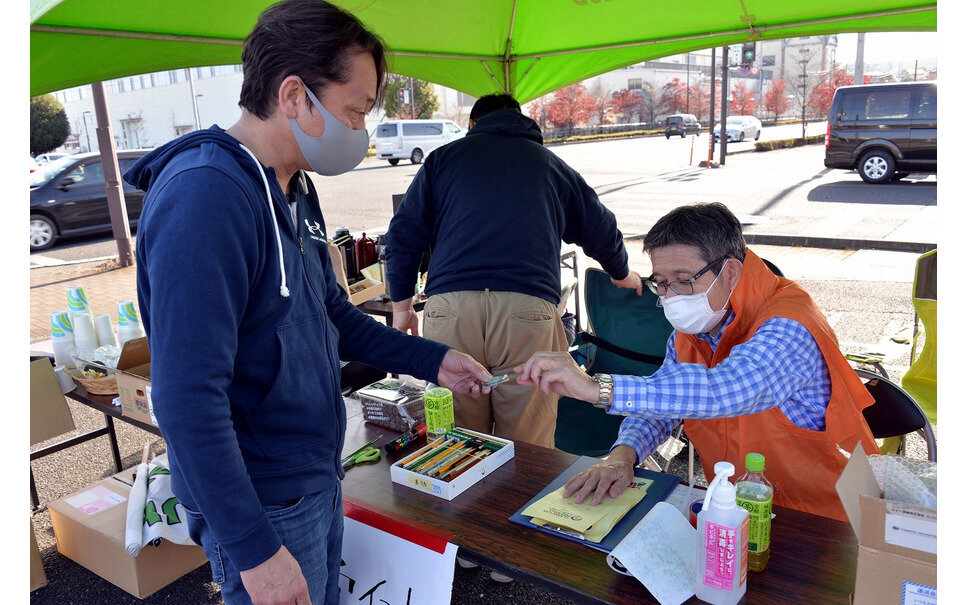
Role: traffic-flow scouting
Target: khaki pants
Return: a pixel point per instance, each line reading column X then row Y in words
column 500, row 330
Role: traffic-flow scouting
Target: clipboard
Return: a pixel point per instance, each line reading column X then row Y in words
column 662, row 486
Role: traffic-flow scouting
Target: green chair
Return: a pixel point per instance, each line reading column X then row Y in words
column 626, row 334
column 921, row 380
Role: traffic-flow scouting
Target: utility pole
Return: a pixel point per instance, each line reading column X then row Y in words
column 722, row 108
column 112, row 180
column 687, row 83
column 915, row 70
column 712, row 106
column 413, row 101
column 859, row 61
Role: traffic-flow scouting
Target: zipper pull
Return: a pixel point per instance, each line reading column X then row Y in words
column 301, row 249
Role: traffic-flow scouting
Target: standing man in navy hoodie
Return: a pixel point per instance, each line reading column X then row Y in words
column 245, row 319
column 494, row 207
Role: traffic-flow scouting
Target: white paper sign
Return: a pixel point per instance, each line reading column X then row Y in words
column 381, row 568
column 911, row 527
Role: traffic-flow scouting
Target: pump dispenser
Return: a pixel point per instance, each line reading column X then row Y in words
column 723, row 534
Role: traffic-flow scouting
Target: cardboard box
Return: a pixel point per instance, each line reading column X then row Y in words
column 897, row 560
column 49, row 414
column 134, row 381
column 358, row 294
column 89, row 528
column 450, row 490
column 38, row 577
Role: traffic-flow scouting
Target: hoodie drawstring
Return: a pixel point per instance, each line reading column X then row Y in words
column 283, row 290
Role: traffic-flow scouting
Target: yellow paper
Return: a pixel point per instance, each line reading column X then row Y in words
column 558, row 510
column 593, row 522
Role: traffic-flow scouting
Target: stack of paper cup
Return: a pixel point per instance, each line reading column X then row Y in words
column 85, row 336
column 105, row 330
column 62, row 338
column 77, row 301
column 129, row 326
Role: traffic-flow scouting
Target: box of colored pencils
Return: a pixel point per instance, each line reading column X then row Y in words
column 453, row 462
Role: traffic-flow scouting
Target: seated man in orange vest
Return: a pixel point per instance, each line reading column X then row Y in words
column 752, row 366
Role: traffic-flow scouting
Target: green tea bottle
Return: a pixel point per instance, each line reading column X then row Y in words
column 755, row 494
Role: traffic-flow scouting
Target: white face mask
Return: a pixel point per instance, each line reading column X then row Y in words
column 691, row 313
column 338, row 150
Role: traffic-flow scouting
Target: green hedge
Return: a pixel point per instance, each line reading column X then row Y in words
column 787, row 143
column 603, row 137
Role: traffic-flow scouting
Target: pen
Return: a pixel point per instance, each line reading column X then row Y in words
column 435, row 449
column 427, row 465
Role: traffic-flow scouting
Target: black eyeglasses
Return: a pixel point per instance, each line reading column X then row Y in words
column 679, row 286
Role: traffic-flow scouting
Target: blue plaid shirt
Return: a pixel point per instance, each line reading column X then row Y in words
column 781, row 365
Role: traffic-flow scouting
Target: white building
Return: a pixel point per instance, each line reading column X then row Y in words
column 151, row 109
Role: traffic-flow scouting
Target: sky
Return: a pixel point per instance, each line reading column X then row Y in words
column 890, row 47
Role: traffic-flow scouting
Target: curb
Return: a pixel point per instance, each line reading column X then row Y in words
column 832, row 243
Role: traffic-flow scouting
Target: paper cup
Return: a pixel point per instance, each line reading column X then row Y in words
column 77, row 301
column 64, row 351
column 127, row 314
column 105, row 330
column 61, row 326
column 64, row 379
column 85, row 336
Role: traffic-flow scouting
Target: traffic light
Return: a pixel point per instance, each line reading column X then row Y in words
column 401, row 95
column 748, row 54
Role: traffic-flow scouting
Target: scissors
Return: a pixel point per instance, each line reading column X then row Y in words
column 367, row 453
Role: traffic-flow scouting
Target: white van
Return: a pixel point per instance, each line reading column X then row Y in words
column 414, row 139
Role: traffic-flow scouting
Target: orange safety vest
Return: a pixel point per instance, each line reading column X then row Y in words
column 803, row 465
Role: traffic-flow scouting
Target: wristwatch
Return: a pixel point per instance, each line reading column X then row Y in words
column 604, row 390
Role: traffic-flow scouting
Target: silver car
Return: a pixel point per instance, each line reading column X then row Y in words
column 740, row 128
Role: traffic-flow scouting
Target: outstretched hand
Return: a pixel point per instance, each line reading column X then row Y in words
column 557, row 372
column 461, row 373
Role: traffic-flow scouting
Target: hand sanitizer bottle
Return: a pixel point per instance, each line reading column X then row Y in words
column 723, row 534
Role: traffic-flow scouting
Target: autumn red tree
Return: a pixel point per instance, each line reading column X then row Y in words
column 775, row 100
column 626, row 103
column 672, row 99
column 743, row 103
column 571, row 106
column 538, row 111
column 822, row 95
column 698, row 99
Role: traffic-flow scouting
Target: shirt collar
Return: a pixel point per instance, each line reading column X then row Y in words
column 714, row 341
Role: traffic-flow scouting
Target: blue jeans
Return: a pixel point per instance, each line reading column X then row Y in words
column 312, row 531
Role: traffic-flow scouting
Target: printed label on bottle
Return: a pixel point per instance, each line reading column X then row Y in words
column 760, row 514
column 725, row 547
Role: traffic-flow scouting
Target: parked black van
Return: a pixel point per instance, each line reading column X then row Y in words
column 682, row 124
column 885, row 131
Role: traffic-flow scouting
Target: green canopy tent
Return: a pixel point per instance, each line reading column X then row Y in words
column 527, row 48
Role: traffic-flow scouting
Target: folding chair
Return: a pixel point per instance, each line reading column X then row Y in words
column 921, row 380
column 895, row 414
column 626, row 334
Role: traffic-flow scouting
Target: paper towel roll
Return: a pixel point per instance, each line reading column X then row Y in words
column 135, row 519
column 105, row 330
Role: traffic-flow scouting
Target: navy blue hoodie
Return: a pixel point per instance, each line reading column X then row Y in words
column 245, row 381
column 495, row 207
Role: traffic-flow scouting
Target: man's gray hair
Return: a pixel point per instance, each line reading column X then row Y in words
column 710, row 228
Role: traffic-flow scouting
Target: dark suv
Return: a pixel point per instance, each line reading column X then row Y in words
column 69, row 197
column 885, row 131
column 682, row 124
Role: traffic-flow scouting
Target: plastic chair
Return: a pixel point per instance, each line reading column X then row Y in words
column 921, row 380
column 626, row 334
column 895, row 414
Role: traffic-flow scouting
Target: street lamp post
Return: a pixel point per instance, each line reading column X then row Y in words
column 804, row 61
column 87, row 130
column 191, row 86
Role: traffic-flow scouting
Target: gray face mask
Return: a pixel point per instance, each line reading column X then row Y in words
column 338, row 150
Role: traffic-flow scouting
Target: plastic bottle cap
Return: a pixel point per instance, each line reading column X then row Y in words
column 755, row 462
